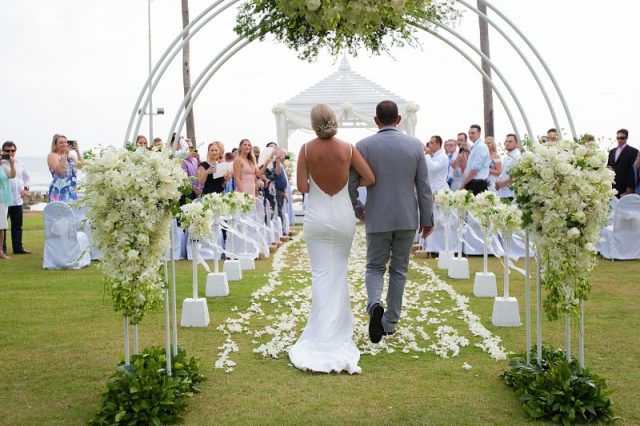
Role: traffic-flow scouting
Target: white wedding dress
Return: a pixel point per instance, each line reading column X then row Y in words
column 326, row 343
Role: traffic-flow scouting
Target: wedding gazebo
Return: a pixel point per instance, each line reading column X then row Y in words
column 352, row 96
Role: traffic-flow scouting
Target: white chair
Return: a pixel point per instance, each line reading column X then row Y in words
column 621, row 240
column 207, row 248
column 64, row 246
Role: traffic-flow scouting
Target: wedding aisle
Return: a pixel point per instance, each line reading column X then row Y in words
column 435, row 317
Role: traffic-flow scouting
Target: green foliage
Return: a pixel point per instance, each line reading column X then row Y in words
column 143, row 393
column 340, row 25
column 558, row 390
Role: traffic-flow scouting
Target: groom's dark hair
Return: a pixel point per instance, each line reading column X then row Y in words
column 387, row 112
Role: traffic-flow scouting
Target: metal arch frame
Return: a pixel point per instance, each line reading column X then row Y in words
column 148, row 84
column 485, row 76
column 540, row 59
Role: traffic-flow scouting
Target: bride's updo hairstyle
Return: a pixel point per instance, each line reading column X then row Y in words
column 324, row 121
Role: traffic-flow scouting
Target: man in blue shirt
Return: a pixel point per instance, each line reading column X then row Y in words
column 477, row 171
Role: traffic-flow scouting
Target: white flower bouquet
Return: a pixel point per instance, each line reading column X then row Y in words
column 197, row 219
column 564, row 192
column 129, row 198
column 239, row 202
column 483, row 208
column 216, row 204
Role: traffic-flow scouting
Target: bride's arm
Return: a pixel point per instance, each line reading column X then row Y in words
column 302, row 177
column 367, row 178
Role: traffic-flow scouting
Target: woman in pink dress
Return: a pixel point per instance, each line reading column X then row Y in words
column 245, row 170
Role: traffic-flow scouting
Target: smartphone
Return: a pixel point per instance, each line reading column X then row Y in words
column 71, row 143
column 5, row 156
column 461, row 149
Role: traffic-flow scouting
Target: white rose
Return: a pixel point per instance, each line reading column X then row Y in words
column 573, row 233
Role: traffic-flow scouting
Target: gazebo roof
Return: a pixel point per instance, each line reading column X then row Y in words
column 345, row 90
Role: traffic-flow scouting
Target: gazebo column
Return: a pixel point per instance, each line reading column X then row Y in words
column 282, row 128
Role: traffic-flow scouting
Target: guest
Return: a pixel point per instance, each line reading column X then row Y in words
column 158, row 145
column 234, row 152
column 19, row 187
column 637, row 172
column 451, row 152
column 141, row 142
column 63, row 169
column 511, row 157
column 7, row 171
column 461, row 139
column 281, row 182
column 621, row 161
column 495, row 166
column 245, row 170
column 437, row 165
column 552, row 135
column 228, row 158
column 272, row 145
column 190, row 167
column 206, row 169
column 256, row 151
column 179, row 146
column 459, row 166
column 478, row 163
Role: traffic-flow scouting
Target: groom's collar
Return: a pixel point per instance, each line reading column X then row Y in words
column 387, row 128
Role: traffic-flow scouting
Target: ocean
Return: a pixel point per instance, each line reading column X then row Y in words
column 39, row 172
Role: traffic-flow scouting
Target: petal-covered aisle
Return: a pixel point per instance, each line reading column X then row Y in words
column 435, row 317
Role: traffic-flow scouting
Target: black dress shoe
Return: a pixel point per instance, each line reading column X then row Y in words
column 376, row 330
column 23, row 251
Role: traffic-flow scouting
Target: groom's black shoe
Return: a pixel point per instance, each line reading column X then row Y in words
column 375, row 323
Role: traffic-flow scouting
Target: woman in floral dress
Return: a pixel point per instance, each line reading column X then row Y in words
column 63, row 164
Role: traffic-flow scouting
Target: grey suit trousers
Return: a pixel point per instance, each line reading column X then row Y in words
column 380, row 247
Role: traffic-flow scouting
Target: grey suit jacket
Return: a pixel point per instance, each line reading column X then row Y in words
column 401, row 197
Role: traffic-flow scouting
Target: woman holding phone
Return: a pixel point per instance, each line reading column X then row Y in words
column 7, row 171
column 63, row 169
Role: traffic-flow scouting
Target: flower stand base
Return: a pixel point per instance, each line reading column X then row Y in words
column 484, row 285
column 279, row 243
column 416, row 247
column 443, row 259
column 459, row 268
column 246, row 262
column 273, row 248
column 217, row 285
column 195, row 313
column 285, row 238
column 232, row 269
column 505, row 312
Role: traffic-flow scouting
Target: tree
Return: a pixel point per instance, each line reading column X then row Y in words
column 186, row 73
column 487, row 91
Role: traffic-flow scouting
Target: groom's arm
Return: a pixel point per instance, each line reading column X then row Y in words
column 423, row 192
column 354, row 183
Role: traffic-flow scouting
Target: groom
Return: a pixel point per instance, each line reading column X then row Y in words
column 398, row 203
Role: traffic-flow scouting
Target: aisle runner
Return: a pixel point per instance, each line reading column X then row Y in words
column 434, row 318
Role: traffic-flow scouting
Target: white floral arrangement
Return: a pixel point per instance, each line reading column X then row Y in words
column 483, row 208
column 130, row 197
column 239, row 202
column 505, row 219
column 564, row 192
column 215, row 203
column 444, row 200
column 197, row 219
column 462, row 200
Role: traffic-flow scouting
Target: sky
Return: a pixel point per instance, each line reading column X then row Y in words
column 76, row 67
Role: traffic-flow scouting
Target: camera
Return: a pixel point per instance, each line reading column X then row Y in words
column 5, row 156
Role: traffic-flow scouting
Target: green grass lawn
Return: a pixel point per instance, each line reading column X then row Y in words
column 60, row 341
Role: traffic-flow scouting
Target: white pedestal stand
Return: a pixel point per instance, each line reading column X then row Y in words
column 217, row 284
column 231, row 267
column 484, row 284
column 246, row 258
column 444, row 257
column 505, row 309
column 195, row 312
column 459, row 266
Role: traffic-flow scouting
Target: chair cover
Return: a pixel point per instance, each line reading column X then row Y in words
column 64, row 246
column 85, row 225
column 436, row 242
column 621, row 240
column 473, row 237
column 206, row 248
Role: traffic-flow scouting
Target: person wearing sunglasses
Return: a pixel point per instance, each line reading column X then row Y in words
column 621, row 161
column 19, row 187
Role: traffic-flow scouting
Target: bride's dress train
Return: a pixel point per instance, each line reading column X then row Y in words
column 326, row 344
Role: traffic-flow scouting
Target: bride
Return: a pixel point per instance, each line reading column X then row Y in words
column 326, row 343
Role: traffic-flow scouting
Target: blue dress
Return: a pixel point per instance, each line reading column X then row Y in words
column 63, row 187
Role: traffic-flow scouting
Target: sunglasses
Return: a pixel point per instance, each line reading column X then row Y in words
column 9, row 150
column 621, row 138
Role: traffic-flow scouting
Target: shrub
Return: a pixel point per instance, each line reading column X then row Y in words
column 559, row 390
column 143, row 393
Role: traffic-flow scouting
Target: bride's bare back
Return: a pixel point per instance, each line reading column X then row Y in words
column 328, row 162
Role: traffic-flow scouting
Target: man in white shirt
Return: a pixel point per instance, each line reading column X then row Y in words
column 477, row 171
column 19, row 187
column 508, row 160
column 437, row 164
